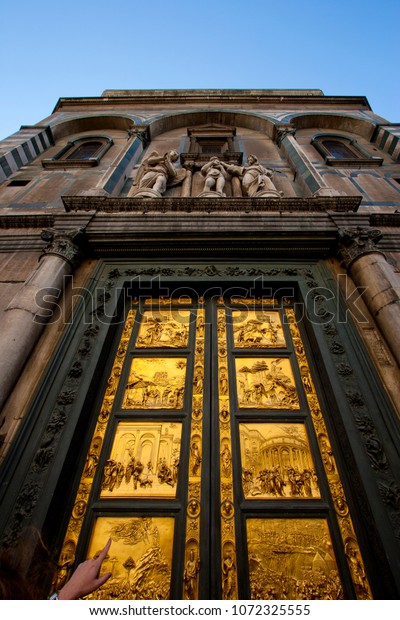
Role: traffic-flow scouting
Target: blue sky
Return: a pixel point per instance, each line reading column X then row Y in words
column 80, row 48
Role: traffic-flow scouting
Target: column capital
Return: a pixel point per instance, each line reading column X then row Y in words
column 64, row 243
column 141, row 132
column 189, row 165
column 281, row 131
column 356, row 242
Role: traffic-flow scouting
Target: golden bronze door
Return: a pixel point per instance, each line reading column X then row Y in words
column 210, row 465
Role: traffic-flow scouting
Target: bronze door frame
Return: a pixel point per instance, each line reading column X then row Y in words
column 213, row 506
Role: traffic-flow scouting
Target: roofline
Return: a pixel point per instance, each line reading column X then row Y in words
column 310, row 92
column 129, row 97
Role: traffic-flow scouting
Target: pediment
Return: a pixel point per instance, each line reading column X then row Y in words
column 211, row 129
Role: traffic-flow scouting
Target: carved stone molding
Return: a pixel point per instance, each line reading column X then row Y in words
column 370, row 436
column 390, row 494
column 356, row 242
column 131, row 204
column 29, row 220
column 385, row 219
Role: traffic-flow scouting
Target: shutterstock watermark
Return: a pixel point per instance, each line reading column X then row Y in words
column 320, row 305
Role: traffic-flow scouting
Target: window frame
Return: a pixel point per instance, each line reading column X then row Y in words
column 60, row 159
column 361, row 156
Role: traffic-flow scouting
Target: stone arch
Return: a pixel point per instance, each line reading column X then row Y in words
column 340, row 122
column 81, row 124
column 233, row 118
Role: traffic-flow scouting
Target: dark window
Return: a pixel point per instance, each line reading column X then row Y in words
column 342, row 151
column 19, row 183
column 210, row 148
column 338, row 149
column 81, row 152
column 87, row 150
column 209, row 145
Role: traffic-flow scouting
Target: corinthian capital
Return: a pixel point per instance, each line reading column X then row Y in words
column 64, row 243
column 281, row 131
column 356, row 242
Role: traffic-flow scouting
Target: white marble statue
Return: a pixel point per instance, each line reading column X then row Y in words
column 215, row 175
column 256, row 180
column 157, row 172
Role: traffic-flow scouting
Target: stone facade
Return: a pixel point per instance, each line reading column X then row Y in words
column 323, row 215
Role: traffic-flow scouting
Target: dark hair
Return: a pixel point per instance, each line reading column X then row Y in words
column 26, row 568
column 13, row 584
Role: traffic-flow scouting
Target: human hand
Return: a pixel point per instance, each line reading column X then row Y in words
column 86, row 578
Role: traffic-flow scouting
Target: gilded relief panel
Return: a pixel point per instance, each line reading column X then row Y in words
column 228, row 538
column 257, row 329
column 351, row 547
column 144, row 460
column 288, row 558
column 67, row 555
column 292, row 559
column 164, row 328
column 155, row 383
column 193, row 510
column 265, row 383
column 277, row 462
column 140, row 557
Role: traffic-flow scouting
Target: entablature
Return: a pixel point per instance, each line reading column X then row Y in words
column 211, row 205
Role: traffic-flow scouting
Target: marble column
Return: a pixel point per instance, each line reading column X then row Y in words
column 375, row 278
column 187, row 181
column 311, row 180
column 33, row 306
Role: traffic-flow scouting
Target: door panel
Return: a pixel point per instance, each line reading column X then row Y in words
column 210, row 464
column 292, row 559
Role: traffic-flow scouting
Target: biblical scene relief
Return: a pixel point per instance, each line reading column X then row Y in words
column 144, row 460
column 265, row 383
column 256, row 329
column 292, row 559
column 139, row 558
column 164, row 329
column 155, row 383
column 277, row 462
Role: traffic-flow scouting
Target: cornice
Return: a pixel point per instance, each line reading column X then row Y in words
column 107, row 204
column 31, row 220
column 198, row 235
column 240, row 97
column 183, row 245
column 385, row 219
